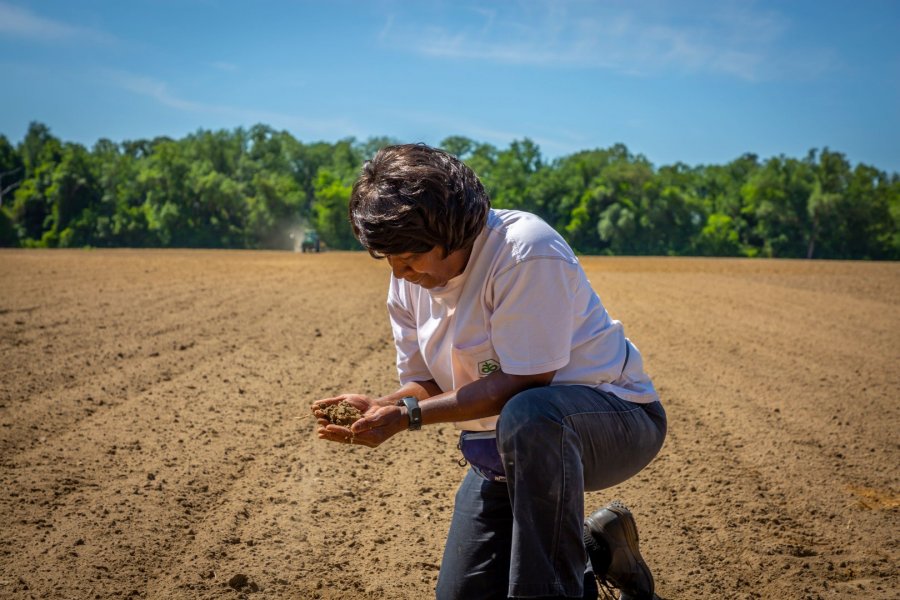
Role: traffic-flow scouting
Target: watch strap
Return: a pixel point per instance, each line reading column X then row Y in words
column 413, row 410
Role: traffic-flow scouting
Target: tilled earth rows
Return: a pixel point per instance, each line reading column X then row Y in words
column 156, row 440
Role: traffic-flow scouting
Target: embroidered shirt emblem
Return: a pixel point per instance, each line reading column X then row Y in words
column 486, row 367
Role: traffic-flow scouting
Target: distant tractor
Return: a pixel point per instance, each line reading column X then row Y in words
column 311, row 242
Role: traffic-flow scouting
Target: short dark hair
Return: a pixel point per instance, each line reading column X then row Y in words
column 412, row 197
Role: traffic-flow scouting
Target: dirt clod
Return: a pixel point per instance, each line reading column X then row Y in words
column 342, row 413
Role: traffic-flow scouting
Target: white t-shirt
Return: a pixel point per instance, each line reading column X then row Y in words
column 523, row 305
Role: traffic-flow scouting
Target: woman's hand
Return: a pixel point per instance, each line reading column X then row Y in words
column 359, row 401
column 376, row 425
column 379, row 425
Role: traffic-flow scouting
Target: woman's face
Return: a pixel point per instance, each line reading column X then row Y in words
column 429, row 269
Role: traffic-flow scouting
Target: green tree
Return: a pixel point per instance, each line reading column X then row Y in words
column 38, row 147
column 250, row 188
column 891, row 190
column 676, row 214
column 32, row 210
column 331, row 211
column 162, row 185
column 120, row 219
column 8, row 236
column 482, row 159
column 12, row 169
column 366, row 150
column 561, row 188
column 718, row 237
column 618, row 227
column 624, row 226
column 12, row 173
column 776, row 201
column 719, row 190
column 863, row 226
column 216, row 209
column 512, row 174
column 275, row 210
column 73, row 190
column 459, row 146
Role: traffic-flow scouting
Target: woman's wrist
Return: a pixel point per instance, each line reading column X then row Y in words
column 389, row 400
column 404, row 417
column 419, row 389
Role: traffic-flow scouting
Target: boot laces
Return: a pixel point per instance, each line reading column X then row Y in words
column 605, row 590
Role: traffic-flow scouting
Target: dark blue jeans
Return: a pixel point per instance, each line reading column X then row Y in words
column 523, row 538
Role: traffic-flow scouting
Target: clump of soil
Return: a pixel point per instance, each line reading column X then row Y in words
column 241, row 581
column 342, row 413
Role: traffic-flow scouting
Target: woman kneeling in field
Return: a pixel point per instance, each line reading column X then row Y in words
column 498, row 331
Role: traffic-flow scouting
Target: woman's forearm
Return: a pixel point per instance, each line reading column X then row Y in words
column 419, row 389
column 479, row 399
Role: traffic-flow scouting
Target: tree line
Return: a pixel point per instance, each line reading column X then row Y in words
column 262, row 188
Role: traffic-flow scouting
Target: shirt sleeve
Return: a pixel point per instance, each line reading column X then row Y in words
column 410, row 363
column 533, row 316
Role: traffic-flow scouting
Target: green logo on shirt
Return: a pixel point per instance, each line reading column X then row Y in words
column 486, row 367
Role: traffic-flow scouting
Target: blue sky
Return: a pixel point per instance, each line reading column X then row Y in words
column 693, row 81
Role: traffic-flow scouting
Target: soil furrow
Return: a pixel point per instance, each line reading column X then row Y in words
column 156, row 441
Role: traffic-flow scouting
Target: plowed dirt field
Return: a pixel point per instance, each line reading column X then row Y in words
column 156, row 440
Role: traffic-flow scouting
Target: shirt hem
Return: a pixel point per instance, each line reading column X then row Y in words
column 525, row 369
column 415, row 378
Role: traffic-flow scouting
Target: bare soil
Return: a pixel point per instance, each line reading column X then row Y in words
column 342, row 413
column 150, row 445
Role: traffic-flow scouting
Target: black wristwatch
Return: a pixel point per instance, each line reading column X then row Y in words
column 412, row 409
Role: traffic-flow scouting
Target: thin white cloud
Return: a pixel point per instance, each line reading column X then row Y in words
column 222, row 65
column 386, row 30
column 160, row 92
column 23, row 23
column 729, row 38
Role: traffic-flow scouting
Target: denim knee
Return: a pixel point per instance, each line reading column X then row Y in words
column 525, row 417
